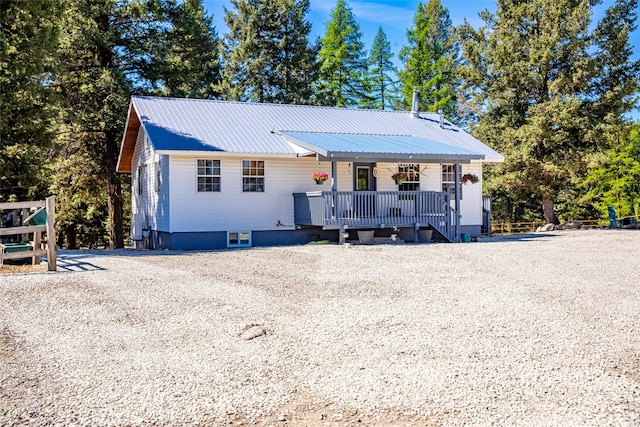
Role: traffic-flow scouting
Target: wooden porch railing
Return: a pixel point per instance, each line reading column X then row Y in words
column 373, row 209
column 49, row 228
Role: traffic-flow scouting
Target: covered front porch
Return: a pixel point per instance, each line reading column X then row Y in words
column 365, row 206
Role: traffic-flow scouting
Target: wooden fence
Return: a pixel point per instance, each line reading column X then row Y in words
column 36, row 252
column 503, row 228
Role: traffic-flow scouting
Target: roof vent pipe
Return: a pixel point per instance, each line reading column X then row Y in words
column 415, row 104
column 441, row 118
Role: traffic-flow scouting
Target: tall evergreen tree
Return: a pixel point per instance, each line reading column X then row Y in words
column 342, row 79
column 106, row 49
column 190, row 65
column 529, row 69
column 614, row 174
column 430, row 60
column 29, row 32
column 380, row 69
column 95, row 94
column 267, row 56
column 296, row 56
column 617, row 75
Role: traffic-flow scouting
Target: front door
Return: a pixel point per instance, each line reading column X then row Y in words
column 364, row 180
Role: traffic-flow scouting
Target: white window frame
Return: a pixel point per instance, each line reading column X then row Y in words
column 141, row 178
column 413, row 176
column 449, row 184
column 253, row 174
column 235, row 239
column 203, row 172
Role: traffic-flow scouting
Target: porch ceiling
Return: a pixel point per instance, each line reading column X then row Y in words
column 339, row 146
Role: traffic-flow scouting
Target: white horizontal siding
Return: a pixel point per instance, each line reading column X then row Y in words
column 471, row 203
column 152, row 204
column 231, row 209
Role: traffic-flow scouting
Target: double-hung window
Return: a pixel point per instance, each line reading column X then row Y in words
column 413, row 177
column 253, row 176
column 158, row 177
column 208, row 175
column 449, row 181
column 142, row 176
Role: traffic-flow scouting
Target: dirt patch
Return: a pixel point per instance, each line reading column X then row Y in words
column 13, row 269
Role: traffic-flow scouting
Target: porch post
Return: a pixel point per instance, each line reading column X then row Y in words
column 334, row 188
column 457, row 186
column 334, row 176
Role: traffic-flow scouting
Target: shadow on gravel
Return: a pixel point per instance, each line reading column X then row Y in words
column 74, row 262
column 525, row 237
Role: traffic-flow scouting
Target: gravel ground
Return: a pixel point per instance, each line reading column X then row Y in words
column 534, row 330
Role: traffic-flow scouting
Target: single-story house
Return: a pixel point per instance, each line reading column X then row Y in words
column 211, row 174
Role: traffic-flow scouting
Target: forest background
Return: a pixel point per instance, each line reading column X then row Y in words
column 551, row 84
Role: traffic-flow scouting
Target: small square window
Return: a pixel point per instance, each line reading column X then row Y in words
column 238, row 239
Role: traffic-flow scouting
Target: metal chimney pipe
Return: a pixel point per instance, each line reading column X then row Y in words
column 415, row 104
column 441, row 118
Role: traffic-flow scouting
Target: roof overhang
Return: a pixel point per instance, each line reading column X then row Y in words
column 350, row 147
column 128, row 144
column 218, row 153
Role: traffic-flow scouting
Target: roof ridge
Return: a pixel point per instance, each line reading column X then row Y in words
column 266, row 104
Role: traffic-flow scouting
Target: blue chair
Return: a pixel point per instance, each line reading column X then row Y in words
column 613, row 221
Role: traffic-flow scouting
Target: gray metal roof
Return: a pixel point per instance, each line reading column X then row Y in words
column 347, row 146
column 176, row 124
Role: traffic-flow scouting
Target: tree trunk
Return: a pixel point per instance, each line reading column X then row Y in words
column 114, row 199
column 116, row 232
column 549, row 214
column 114, row 192
column 71, row 237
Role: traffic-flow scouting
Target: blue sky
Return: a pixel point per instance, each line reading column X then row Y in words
column 396, row 16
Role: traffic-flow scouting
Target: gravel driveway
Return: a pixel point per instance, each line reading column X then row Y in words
column 538, row 330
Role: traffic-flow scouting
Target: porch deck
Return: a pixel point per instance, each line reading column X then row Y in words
column 375, row 209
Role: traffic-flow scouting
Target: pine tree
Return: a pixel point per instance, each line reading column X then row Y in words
column 614, row 175
column 430, row 60
column 296, row 57
column 29, row 32
column 617, row 79
column 616, row 180
column 191, row 65
column 106, row 50
column 95, row 96
column 529, row 69
column 267, row 56
column 380, row 69
column 342, row 79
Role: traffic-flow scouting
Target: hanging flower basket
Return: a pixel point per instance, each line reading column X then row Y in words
column 468, row 178
column 399, row 177
column 320, row 177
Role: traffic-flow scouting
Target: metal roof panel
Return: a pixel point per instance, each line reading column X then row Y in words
column 245, row 127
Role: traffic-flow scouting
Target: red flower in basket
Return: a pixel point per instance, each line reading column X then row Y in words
column 319, row 177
